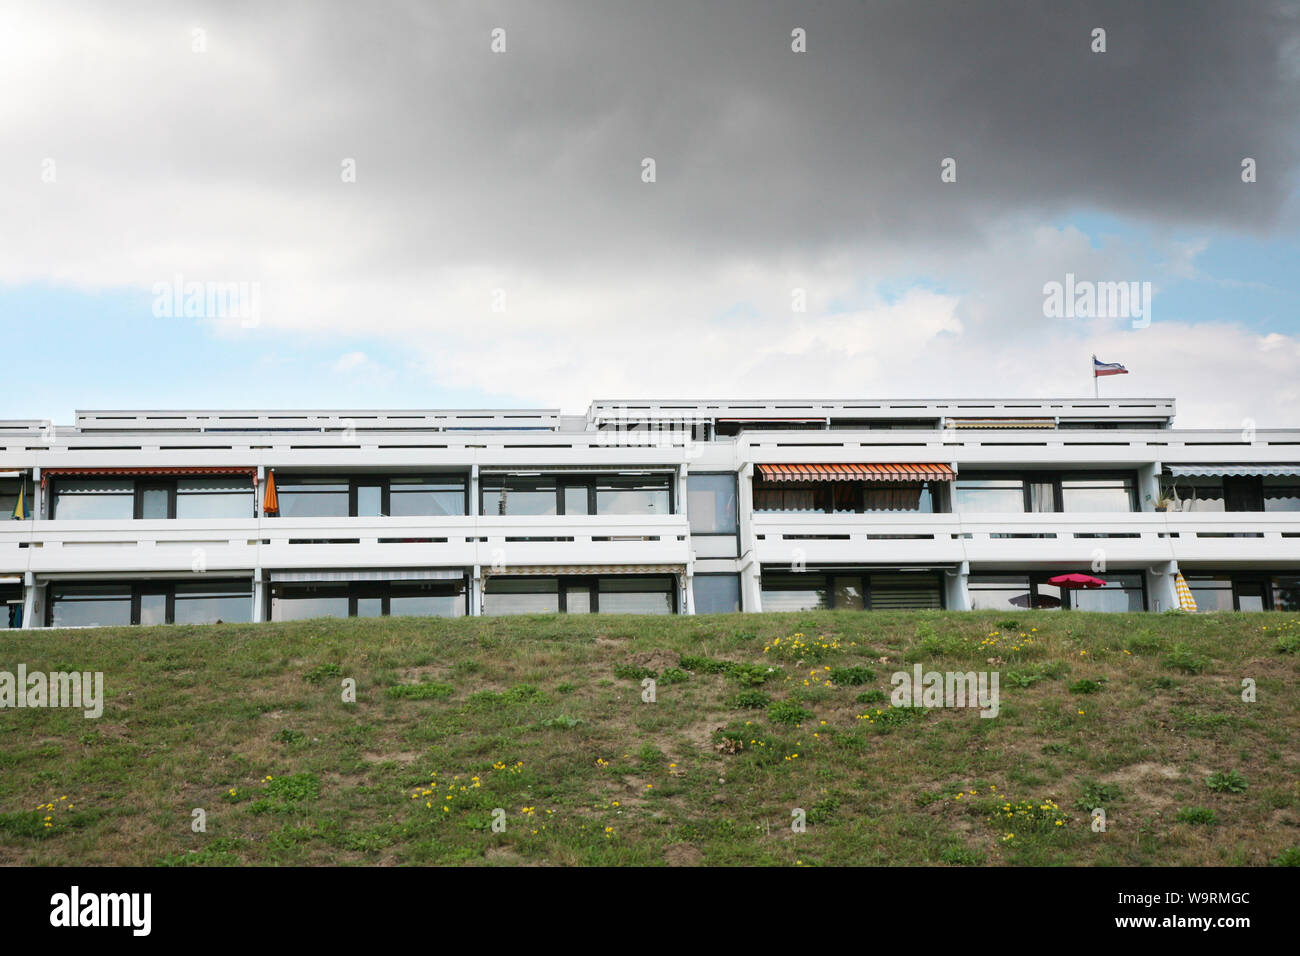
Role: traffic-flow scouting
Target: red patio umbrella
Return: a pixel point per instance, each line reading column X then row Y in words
column 1076, row 581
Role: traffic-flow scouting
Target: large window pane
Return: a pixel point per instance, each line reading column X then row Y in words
column 999, row 592
column 519, row 496
column 848, row 593
column 1286, row 593
column 209, row 603
column 990, row 496
column 633, row 496
column 93, row 500
column 522, row 596
column 711, row 503
column 649, row 595
column 1096, row 494
column 90, row 605
column 716, row 593
column 794, row 592
column 293, row 603
column 313, row 498
column 1212, row 592
column 427, row 600
column 214, row 498
column 892, row 592
column 1123, row 592
column 426, row 496
column 1282, row 494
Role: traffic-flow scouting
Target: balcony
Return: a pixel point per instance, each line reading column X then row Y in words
column 1032, row 539
column 126, row 547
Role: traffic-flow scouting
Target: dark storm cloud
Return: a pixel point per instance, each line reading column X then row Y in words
column 537, row 151
column 468, row 157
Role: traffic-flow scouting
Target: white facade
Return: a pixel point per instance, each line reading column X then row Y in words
column 653, row 528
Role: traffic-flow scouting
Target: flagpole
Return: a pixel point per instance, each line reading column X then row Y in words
column 1095, row 392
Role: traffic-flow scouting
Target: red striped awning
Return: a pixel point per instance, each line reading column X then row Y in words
column 897, row 471
column 135, row 472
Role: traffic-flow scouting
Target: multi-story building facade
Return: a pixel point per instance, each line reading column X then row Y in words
column 152, row 517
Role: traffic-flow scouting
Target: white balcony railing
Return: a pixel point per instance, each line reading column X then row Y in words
column 1027, row 539
column 50, row 547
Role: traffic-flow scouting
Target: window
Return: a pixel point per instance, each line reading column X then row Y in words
column 1002, row 592
column 795, row 592
column 210, row 603
column 1280, row 494
column 90, row 605
column 582, row 594
column 313, row 497
column 226, row 497
column 293, row 602
column 505, row 595
column 93, row 499
column 9, row 497
column 990, row 496
column 576, row 495
column 11, row 606
column 711, row 503
column 1194, row 494
column 426, row 496
column 151, row 602
column 1212, row 592
column 851, row 590
column 633, row 496
column 716, row 593
column 636, row 595
column 364, row 496
column 1080, row 493
column 1045, row 492
column 1286, row 593
column 1123, row 592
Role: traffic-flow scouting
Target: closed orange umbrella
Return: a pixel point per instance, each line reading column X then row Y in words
column 270, row 500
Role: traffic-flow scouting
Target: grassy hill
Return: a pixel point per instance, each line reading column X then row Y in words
column 542, row 717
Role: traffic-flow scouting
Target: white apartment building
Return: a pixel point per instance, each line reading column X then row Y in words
column 153, row 517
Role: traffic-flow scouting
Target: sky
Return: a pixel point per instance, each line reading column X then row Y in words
column 449, row 204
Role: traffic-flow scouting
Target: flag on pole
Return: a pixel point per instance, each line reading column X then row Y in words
column 1185, row 599
column 1100, row 368
column 20, row 507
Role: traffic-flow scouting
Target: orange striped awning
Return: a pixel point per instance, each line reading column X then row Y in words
column 897, row 471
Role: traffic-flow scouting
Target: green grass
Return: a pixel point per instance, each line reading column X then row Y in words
column 540, row 722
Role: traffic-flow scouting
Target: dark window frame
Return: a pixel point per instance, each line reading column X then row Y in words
column 138, row 589
column 354, row 480
column 564, row 481
column 864, row 583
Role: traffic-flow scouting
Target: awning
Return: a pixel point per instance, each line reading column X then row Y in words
column 381, row 574
column 1200, row 471
column 868, row 472
column 131, row 472
column 577, row 569
column 1002, row 422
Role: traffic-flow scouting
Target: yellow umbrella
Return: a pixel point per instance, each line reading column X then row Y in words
column 1185, row 599
column 20, row 507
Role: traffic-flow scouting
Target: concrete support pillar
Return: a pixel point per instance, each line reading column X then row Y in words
column 33, row 602
column 956, row 594
column 476, row 592
column 1162, row 589
column 38, row 494
column 751, row 587
column 473, row 508
column 259, row 596
column 1148, row 489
